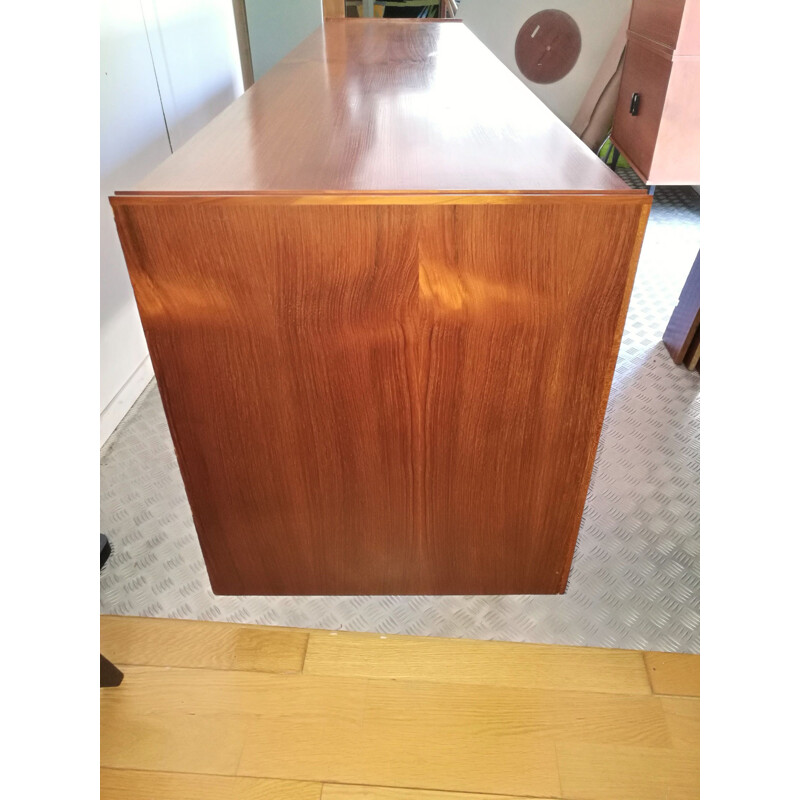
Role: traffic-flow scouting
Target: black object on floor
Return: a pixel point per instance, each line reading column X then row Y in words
column 109, row 674
column 398, row 12
column 105, row 549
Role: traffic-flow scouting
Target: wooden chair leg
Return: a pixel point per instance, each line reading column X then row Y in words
column 684, row 324
column 109, row 674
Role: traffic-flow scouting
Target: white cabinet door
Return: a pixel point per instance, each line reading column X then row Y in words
column 133, row 140
column 196, row 59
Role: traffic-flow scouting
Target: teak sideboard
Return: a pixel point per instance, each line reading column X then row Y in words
column 383, row 293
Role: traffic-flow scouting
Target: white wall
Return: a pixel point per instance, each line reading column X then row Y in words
column 497, row 23
column 181, row 51
column 196, row 58
column 277, row 26
column 133, row 140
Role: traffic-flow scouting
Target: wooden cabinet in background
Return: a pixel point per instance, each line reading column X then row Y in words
column 383, row 293
column 657, row 119
column 682, row 336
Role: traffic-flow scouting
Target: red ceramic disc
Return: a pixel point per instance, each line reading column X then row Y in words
column 547, row 47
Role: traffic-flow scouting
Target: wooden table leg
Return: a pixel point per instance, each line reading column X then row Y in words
column 109, row 674
column 684, row 324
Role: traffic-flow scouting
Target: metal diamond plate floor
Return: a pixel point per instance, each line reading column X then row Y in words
column 635, row 578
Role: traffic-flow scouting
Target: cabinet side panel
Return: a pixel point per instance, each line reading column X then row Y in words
column 646, row 73
column 526, row 305
column 277, row 338
column 677, row 153
column 384, row 399
column 658, row 20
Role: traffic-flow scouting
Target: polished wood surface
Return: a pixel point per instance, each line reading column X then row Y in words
column 207, row 645
column 385, row 105
column 374, row 385
column 384, row 399
column 339, row 730
column 426, row 658
column 674, row 673
column 136, row 784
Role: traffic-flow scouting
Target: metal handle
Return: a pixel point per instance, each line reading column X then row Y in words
column 634, row 104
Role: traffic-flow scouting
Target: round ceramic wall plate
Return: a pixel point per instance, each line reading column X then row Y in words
column 548, row 45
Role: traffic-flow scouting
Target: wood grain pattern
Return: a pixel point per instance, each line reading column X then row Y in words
column 603, row 772
column 383, row 294
column 674, row 673
column 385, row 105
column 683, row 718
column 412, row 407
column 129, row 784
column 350, row 730
column 368, row 738
column 343, row 730
column 185, row 741
column 371, row 655
column 210, row 645
column 342, row 791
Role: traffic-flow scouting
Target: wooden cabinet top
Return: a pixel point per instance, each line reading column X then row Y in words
column 374, row 106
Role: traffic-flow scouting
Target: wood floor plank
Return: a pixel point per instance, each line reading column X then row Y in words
column 354, row 730
column 192, row 720
column 172, row 742
column 674, row 673
column 606, row 772
column 437, row 736
column 683, row 720
column 370, row 733
column 479, row 662
column 281, row 651
column 341, row 791
column 149, row 641
column 121, row 784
